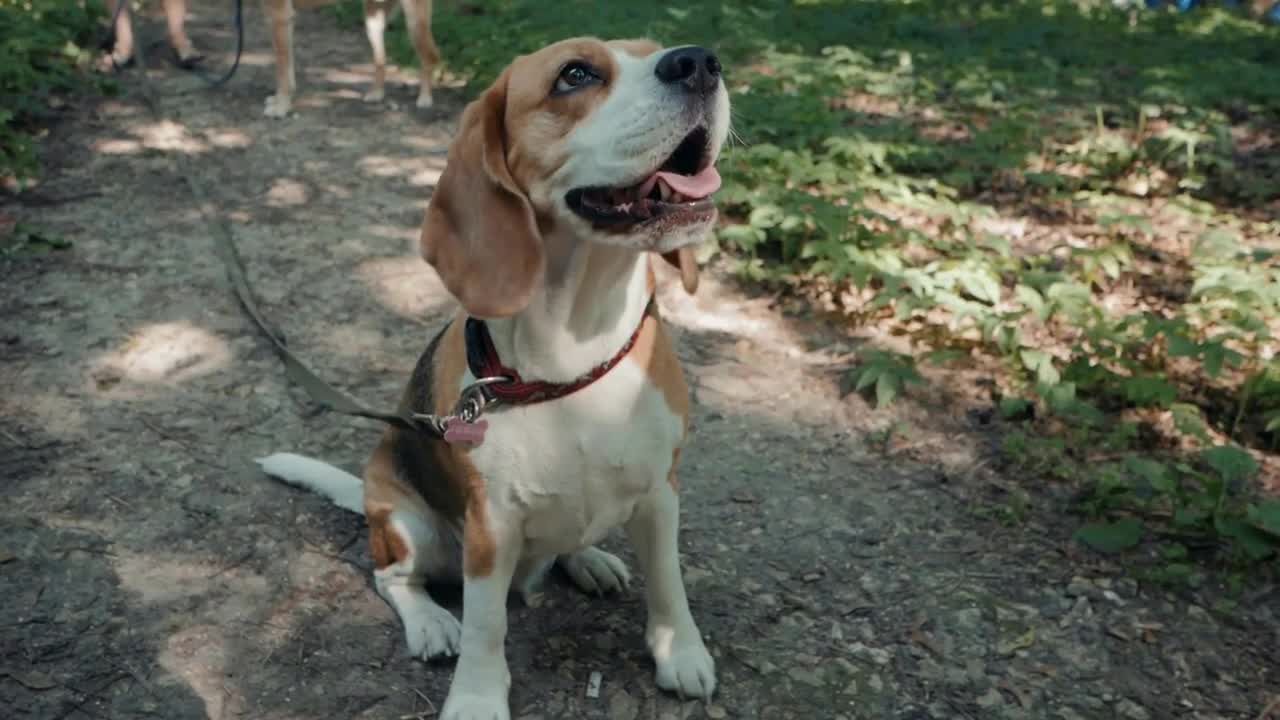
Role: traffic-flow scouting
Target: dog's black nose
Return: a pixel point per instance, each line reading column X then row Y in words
column 693, row 67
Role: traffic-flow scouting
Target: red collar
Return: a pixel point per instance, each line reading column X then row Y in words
column 483, row 361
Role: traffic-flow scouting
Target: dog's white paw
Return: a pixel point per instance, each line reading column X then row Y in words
column 278, row 106
column 475, row 707
column 424, row 100
column 685, row 667
column 432, row 632
column 596, row 572
column 374, row 96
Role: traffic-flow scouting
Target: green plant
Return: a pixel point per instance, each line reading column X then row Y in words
column 41, row 43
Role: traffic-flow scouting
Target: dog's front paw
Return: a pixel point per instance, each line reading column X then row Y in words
column 684, row 666
column 432, row 632
column 277, row 106
column 475, row 707
column 595, row 571
column 374, row 96
column 425, row 100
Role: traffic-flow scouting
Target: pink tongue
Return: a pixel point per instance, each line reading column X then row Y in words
column 693, row 187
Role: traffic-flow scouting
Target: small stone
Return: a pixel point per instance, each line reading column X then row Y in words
column 806, row 676
column 875, row 683
column 1132, row 710
column 990, row 699
column 716, row 712
column 622, row 706
column 1079, row 587
column 969, row 618
column 837, row 632
column 878, row 656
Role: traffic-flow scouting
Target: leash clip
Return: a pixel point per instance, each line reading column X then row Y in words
column 475, row 398
column 472, row 403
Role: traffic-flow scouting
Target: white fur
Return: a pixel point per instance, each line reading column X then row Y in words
column 344, row 489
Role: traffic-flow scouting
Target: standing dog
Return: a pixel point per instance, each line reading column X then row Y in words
column 567, row 175
column 376, row 13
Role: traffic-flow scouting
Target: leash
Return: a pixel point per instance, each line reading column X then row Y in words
column 237, row 20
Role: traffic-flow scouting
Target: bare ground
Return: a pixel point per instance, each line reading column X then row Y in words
column 148, row 570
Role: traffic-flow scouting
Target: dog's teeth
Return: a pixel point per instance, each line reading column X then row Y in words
column 664, row 191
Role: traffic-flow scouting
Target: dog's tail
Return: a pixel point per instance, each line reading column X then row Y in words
column 344, row 489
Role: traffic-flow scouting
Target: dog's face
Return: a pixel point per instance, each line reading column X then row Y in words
column 604, row 142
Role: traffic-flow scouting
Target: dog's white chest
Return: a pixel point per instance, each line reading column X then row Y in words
column 574, row 468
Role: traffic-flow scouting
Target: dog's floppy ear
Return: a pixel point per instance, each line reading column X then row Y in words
column 686, row 260
column 480, row 233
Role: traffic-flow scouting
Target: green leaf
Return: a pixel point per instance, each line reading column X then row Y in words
column 1041, row 363
column 1013, row 407
column 886, row 390
column 1231, row 463
column 869, row 375
column 1266, row 517
column 1182, row 346
column 1187, row 420
column 1032, row 300
column 1255, row 544
column 1111, row 538
column 1149, row 390
column 1155, row 473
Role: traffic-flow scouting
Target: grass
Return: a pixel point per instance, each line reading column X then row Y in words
column 1075, row 206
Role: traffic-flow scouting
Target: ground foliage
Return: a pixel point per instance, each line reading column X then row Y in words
column 44, row 49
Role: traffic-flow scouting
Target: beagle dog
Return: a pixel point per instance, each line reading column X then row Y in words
column 376, row 14
column 581, row 163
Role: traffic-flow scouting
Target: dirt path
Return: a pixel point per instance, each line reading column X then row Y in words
column 148, row 570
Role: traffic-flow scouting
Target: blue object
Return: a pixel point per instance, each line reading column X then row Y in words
column 1273, row 15
column 1155, row 4
column 1185, row 5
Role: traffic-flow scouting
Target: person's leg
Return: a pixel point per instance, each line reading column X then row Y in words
column 121, row 54
column 175, row 13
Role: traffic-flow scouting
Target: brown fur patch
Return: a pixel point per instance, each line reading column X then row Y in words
column 478, row 545
column 654, row 352
column 411, row 468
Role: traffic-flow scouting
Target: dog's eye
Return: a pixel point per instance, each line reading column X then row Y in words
column 575, row 75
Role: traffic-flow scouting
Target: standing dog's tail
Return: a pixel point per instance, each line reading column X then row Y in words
column 344, row 489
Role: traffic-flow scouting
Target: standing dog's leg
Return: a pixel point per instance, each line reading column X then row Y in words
column 375, row 26
column 491, row 549
column 417, row 15
column 281, row 14
column 683, row 664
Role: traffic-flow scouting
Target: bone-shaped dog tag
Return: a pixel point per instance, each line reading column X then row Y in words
column 460, row 432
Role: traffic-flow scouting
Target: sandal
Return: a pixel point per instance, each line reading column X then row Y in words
column 189, row 61
column 110, row 63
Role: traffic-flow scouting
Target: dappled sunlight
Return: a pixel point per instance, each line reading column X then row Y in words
column 419, row 171
column 170, row 136
column 405, row 285
column 198, row 655
column 287, row 192
column 167, row 353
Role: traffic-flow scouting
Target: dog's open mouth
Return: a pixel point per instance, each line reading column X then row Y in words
column 679, row 190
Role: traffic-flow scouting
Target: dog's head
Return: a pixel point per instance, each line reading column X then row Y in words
column 603, row 142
